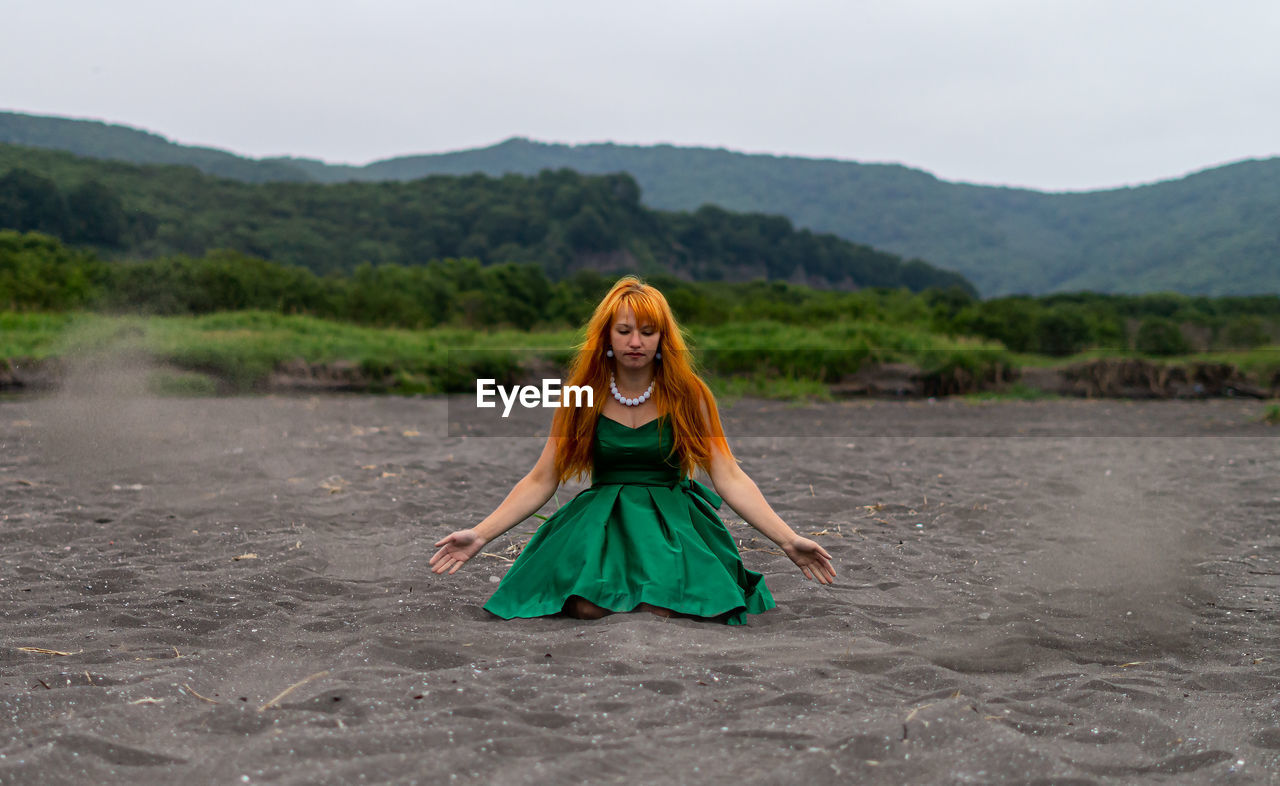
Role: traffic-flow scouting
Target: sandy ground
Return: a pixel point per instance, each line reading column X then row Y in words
column 1066, row 592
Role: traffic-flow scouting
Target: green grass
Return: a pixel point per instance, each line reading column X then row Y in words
column 181, row 384
column 831, row 351
column 1027, row 360
column 729, row 389
column 1257, row 362
column 34, row 336
column 243, row 348
column 1266, row 358
column 239, row 350
column 1271, row 415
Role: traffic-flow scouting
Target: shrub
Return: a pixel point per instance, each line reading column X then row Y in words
column 1245, row 333
column 1161, row 336
column 1062, row 331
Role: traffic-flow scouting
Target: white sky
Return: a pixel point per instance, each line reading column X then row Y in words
column 1050, row 94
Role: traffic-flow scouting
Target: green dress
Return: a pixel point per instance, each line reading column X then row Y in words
column 640, row 534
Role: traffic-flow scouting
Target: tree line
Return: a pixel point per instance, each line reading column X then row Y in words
column 559, row 220
column 40, row 273
column 1210, row 232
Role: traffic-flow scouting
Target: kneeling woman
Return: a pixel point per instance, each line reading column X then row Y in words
column 645, row 536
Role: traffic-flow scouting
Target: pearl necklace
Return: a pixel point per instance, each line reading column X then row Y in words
column 629, row 402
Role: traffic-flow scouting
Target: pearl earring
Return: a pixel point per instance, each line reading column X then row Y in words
column 658, row 355
column 608, row 353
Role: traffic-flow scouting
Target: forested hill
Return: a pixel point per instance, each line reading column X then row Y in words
column 560, row 220
column 1213, row 232
column 121, row 143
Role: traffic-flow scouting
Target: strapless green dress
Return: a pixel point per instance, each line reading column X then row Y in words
column 640, row 534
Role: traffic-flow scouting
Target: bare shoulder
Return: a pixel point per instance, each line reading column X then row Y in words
column 714, row 430
column 707, row 404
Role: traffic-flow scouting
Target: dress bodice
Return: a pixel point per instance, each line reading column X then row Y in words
column 634, row 456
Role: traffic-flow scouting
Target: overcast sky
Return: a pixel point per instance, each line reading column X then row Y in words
column 1049, row 94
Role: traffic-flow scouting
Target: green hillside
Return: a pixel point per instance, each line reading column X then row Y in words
column 561, row 221
column 1213, row 232
column 121, row 143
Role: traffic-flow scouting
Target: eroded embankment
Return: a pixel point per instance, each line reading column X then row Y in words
column 1133, row 378
column 1126, row 378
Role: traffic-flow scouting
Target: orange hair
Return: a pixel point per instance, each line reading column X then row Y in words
column 681, row 396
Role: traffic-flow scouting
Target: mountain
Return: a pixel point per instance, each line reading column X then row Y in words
column 1213, row 232
column 95, row 139
column 560, row 220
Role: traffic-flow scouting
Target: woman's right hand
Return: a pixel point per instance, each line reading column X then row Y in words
column 455, row 549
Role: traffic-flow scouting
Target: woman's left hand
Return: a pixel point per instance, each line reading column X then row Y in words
column 813, row 560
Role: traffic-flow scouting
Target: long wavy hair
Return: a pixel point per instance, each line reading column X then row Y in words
column 680, row 394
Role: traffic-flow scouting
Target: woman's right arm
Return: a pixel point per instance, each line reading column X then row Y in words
column 528, row 495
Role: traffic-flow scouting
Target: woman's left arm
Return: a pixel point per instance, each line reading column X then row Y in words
column 743, row 495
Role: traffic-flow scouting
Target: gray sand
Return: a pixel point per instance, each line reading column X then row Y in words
column 1067, row 592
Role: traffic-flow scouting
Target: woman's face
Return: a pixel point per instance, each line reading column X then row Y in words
column 633, row 345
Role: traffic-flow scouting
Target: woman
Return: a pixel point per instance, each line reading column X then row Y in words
column 645, row 536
